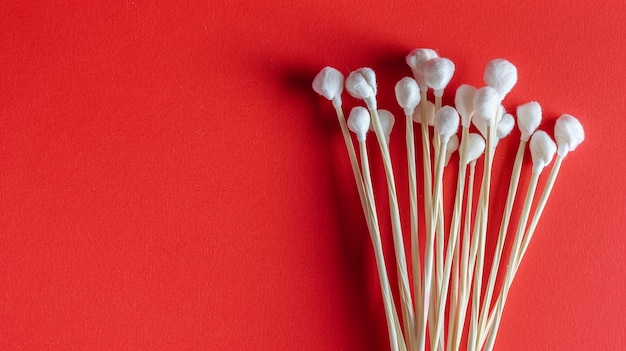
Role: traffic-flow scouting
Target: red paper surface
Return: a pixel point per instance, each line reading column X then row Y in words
column 170, row 181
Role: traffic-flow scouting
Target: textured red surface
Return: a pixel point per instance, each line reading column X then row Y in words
column 170, row 181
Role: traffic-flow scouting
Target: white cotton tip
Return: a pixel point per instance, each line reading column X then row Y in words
column 446, row 122
column 475, row 147
column 505, row 126
column 486, row 104
column 387, row 120
column 430, row 113
column 501, row 75
column 569, row 133
column 359, row 122
column 438, row 72
column 481, row 125
column 542, row 149
column 528, row 119
column 416, row 60
column 464, row 103
column 408, row 95
column 361, row 84
column 453, row 145
column 329, row 83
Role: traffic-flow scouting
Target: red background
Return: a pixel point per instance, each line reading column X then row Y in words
column 169, row 180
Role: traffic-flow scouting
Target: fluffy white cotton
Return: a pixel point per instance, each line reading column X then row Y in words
column 528, row 119
column 453, row 145
column 446, row 122
column 464, row 103
column 438, row 72
column 475, row 147
column 542, row 149
column 481, row 125
column 505, row 126
column 362, row 85
column 569, row 133
column 486, row 104
column 430, row 113
column 387, row 120
column 408, row 95
column 329, row 83
column 501, row 75
column 416, row 60
column 359, row 122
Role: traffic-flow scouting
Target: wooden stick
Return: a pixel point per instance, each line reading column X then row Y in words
column 390, row 309
column 415, row 252
column 465, row 283
column 508, row 209
column 533, row 224
column 426, row 159
column 369, row 210
column 484, row 205
column 439, row 239
column 540, row 207
column 519, row 235
column 428, row 256
column 404, row 287
column 453, row 236
column 427, row 195
column 454, row 294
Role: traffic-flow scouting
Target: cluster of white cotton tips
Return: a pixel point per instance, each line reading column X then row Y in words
column 329, row 83
column 569, row 133
column 359, row 122
column 542, row 150
column 501, row 75
column 361, row 84
column 528, row 119
column 416, row 61
column 446, row 123
column 408, row 95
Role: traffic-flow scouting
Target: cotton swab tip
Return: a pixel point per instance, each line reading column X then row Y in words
column 464, row 103
column 361, row 84
column 408, row 94
column 528, row 119
column 329, row 83
column 453, row 145
column 446, row 122
column 438, row 72
column 416, row 60
column 359, row 122
column 387, row 120
column 569, row 133
column 486, row 104
column 501, row 75
column 542, row 149
column 505, row 126
column 475, row 147
column 430, row 113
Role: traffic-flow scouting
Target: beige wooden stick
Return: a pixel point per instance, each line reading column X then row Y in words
column 521, row 227
column 369, row 209
column 404, row 287
column 508, row 209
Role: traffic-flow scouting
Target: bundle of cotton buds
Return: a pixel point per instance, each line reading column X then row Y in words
column 451, row 267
